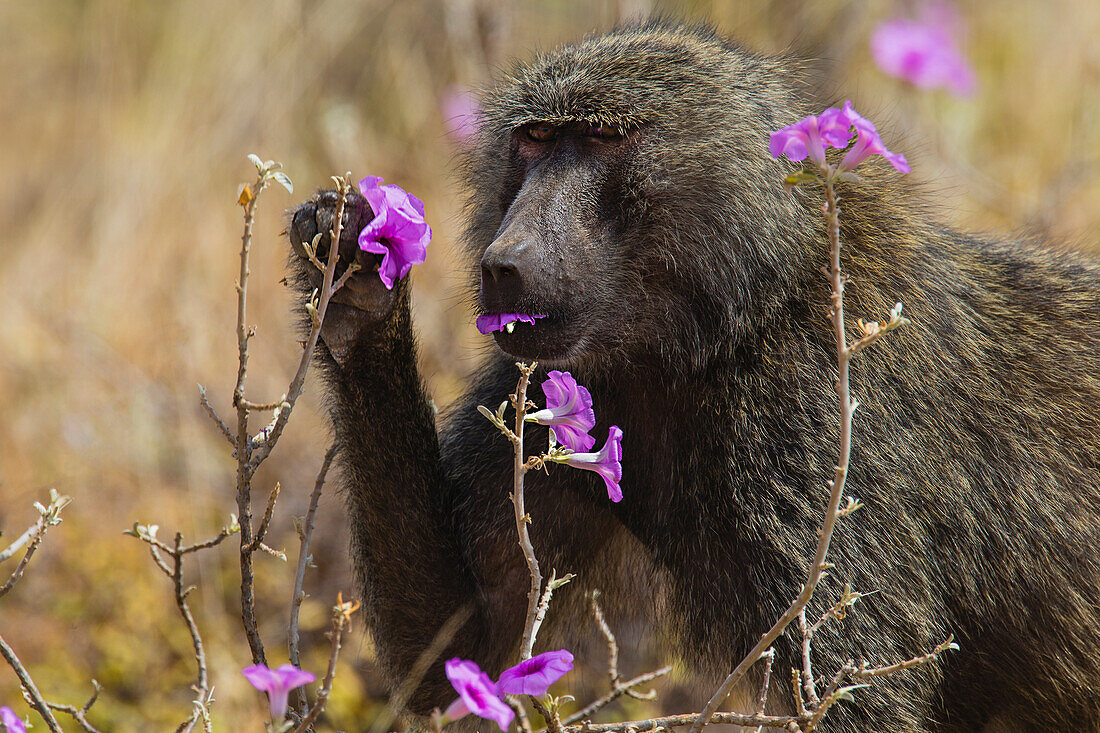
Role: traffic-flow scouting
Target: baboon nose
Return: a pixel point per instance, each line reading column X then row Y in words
column 507, row 263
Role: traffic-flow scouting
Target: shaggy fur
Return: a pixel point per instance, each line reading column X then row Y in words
column 704, row 335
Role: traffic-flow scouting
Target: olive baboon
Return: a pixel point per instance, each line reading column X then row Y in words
column 622, row 187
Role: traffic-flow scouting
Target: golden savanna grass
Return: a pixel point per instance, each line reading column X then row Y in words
column 125, row 127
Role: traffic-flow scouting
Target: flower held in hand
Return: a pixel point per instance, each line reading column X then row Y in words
column 477, row 694
column 397, row 232
column 568, row 411
column 277, row 683
column 535, row 675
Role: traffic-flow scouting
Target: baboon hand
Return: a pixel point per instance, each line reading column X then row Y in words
column 363, row 291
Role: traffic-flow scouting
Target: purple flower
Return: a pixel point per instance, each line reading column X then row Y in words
column 924, row 51
column 460, row 111
column 277, row 683
column 868, row 143
column 810, row 136
column 568, row 411
column 607, row 463
column 500, row 321
column 11, row 721
column 397, row 232
column 477, row 694
column 535, row 675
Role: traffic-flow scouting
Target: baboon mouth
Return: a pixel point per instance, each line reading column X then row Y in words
column 546, row 339
column 491, row 322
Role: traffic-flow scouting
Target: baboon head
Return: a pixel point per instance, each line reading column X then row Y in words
column 622, row 190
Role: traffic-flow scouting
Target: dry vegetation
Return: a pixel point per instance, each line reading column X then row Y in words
column 125, row 129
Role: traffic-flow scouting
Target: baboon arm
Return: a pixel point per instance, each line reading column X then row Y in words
column 413, row 572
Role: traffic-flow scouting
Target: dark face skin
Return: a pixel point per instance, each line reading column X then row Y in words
column 558, row 250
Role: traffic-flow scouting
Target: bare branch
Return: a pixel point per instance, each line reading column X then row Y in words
column 222, row 427
column 305, row 533
column 261, row 531
column 866, row 673
column 30, row 691
column 79, row 714
column 761, row 703
column 619, row 690
column 271, row 437
column 341, row 621
column 652, row 724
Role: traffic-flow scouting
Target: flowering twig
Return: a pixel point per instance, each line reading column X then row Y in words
column 845, row 351
column 341, row 622
column 519, row 404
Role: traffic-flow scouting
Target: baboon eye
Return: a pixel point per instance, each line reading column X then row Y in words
column 542, row 132
column 604, row 132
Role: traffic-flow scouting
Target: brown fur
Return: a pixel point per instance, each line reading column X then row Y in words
column 695, row 313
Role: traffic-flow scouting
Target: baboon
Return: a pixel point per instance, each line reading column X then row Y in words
column 622, row 187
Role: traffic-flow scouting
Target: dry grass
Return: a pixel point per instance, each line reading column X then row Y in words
column 125, row 128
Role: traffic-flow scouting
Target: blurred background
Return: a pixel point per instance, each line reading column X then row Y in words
column 124, row 127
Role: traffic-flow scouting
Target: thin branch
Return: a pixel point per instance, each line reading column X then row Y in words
column 21, row 540
column 30, row 691
column 201, row 685
column 519, row 403
column 261, row 531
column 619, row 690
column 243, row 441
column 222, row 427
column 550, row 715
column 341, row 620
column 652, row 724
column 761, row 703
column 612, row 645
column 305, row 536
column 521, row 713
column 80, row 714
column 176, row 553
column 866, row 673
column 836, row 486
column 271, row 437
column 22, row 564
column 807, row 667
